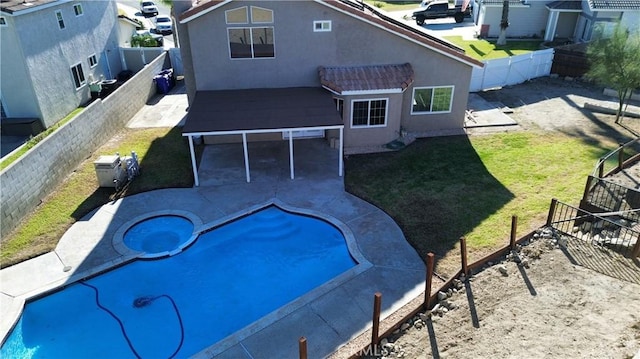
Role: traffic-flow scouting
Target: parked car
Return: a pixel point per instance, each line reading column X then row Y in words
column 438, row 10
column 148, row 8
column 164, row 25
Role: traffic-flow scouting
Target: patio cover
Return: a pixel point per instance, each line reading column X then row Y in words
column 229, row 112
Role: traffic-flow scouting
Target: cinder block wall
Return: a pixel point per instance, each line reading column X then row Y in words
column 27, row 181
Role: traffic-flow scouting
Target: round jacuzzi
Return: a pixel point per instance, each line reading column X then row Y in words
column 160, row 235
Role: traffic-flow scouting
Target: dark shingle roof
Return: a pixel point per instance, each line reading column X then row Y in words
column 565, row 5
column 614, row 4
column 366, row 78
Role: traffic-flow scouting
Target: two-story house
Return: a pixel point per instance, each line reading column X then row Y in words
column 576, row 20
column 267, row 70
column 51, row 50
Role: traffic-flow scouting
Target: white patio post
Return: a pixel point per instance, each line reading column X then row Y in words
column 193, row 162
column 291, row 153
column 246, row 156
column 340, row 152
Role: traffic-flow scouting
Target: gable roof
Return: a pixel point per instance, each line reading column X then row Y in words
column 363, row 12
column 360, row 79
column 614, row 4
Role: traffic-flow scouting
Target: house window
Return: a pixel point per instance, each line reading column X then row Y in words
column 339, row 105
column 261, row 16
column 237, row 16
column 60, row 19
column 78, row 75
column 432, row 99
column 322, row 26
column 77, row 9
column 369, row 113
column 93, row 61
column 3, row 21
column 251, row 42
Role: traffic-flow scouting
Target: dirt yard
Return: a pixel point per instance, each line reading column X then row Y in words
column 560, row 301
column 567, row 300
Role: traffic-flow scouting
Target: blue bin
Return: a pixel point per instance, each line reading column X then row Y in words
column 165, row 80
column 163, row 83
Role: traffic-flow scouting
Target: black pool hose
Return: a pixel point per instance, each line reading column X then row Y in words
column 139, row 303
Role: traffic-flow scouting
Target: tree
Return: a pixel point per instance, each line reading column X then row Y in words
column 504, row 24
column 613, row 62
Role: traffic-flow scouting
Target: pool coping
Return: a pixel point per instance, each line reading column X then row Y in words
column 330, row 320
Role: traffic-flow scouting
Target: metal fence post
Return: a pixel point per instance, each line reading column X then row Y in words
column 552, row 211
column 621, row 156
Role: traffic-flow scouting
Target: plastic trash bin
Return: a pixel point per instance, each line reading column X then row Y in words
column 162, row 83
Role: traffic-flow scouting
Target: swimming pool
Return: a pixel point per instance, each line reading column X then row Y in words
column 228, row 279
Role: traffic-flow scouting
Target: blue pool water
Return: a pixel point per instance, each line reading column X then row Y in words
column 230, row 277
column 159, row 234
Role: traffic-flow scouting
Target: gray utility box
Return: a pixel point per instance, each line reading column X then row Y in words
column 107, row 170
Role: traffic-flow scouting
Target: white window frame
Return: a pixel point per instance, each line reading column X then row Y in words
column 83, row 80
column 368, row 125
column 60, row 20
column 3, row 21
column 78, row 10
column 413, row 99
column 246, row 12
column 253, row 57
column 324, row 26
column 93, row 61
column 261, row 22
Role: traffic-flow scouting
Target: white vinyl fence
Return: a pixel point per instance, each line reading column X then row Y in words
column 511, row 70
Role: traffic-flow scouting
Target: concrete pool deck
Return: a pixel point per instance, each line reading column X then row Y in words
column 327, row 321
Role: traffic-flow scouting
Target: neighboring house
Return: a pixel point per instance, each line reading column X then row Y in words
column 264, row 70
column 576, row 20
column 50, row 52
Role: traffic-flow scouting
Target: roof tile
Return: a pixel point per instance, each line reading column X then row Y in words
column 366, row 78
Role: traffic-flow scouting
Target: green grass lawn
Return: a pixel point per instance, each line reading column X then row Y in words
column 394, row 5
column 487, row 50
column 440, row 189
column 164, row 162
column 437, row 189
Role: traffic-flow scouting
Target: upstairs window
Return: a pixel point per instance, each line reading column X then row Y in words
column 261, row 16
column 432, row 99
column 369, row 113
column 322, row 26
column 237, row 16
column 78, row 75
column 250, row 42
column 60, row 19
column 3, row 21
column 77, row 9
column 93, row 61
